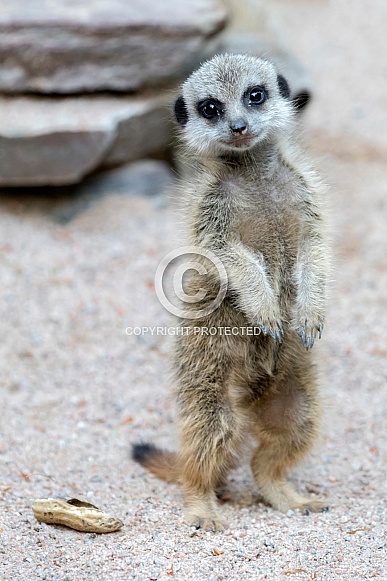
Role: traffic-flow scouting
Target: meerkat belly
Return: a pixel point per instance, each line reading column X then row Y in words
column 274, row 236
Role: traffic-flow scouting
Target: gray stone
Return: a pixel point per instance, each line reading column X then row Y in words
column 146, row 130
column 67, row 46
column 58, row 141
column 147, row 177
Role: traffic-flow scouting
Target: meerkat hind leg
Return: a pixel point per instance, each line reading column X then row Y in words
column 205, row 460
column 210, row 441
column 288, row 421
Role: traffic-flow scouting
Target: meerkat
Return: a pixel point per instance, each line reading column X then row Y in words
column 252, row 201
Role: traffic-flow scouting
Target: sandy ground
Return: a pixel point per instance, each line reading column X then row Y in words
column 76, row 390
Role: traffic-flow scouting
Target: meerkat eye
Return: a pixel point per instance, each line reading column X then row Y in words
column 256, row 95
column 210, row 108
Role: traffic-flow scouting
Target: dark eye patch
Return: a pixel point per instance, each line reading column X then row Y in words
column 210, row 108
column 255, row 95
column 283, row 87
column 181, row 112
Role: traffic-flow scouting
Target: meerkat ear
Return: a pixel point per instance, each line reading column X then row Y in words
column 283, row 87
column 181, row 112
column 301, row 99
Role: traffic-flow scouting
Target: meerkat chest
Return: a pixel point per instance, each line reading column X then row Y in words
column 267, row 216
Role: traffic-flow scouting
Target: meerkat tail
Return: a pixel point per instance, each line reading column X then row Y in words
column 161, row 463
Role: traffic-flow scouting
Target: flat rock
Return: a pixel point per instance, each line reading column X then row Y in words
column 65, row 46
column 147, row 178
column 59, row 140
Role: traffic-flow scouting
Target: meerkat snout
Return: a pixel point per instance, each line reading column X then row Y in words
column 239, row 127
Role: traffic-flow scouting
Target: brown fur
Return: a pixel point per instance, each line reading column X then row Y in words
column 260, row 211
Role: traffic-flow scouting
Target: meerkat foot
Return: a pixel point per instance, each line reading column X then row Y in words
column 202, row 513
column 308, row 505
column 282, row 496
column 210, row 522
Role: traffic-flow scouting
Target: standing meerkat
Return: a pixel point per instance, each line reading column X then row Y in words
column 254, row 203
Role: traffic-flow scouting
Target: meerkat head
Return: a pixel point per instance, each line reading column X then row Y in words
column 232, row 103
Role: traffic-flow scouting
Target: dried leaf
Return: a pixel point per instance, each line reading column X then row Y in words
column 127, row 420
column 378, row 352
column 356, row 531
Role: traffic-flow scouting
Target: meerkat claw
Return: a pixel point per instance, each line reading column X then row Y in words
column 272, row 334
column 301, row 332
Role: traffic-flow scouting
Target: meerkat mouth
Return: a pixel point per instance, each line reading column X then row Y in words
column 240, row 142
column 244, row 139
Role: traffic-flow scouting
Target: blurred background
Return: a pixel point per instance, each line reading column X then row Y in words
column 88, row 86
column 87, row 212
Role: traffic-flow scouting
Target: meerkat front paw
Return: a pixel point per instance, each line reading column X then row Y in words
column 272, row 327
column 308, row 330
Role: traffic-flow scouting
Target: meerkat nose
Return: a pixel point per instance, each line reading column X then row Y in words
column 239, row 126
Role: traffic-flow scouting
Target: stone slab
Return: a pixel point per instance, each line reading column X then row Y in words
column 58, row 140
column 71, row 46
column 147, row 178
